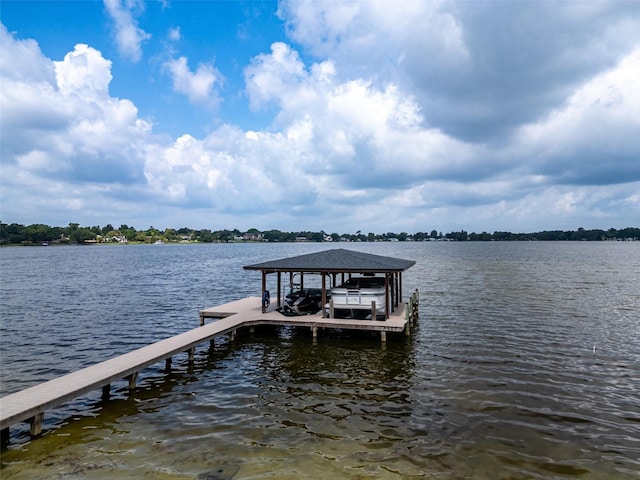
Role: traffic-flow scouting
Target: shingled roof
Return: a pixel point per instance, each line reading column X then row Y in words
column 337, row 260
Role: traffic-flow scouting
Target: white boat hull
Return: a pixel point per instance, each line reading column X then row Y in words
column 359, row 293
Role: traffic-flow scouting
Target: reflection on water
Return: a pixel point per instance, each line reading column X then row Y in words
column 525, row 364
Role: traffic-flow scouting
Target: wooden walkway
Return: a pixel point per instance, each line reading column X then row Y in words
column 249, row 311
column 31, row 403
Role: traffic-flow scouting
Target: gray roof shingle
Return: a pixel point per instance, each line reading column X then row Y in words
column 336, row 260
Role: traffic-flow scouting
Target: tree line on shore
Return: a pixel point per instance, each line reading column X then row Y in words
column 38, row 234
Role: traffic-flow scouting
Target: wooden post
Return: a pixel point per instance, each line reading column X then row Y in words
column 374, row 315
column 264, row 289
column 386, row 296
column 106, row 391
column 35, row 423
column 232, row 335
column 201, row 320
column 324, row 295
column 383, row 336
column 407, row 318
column 133, row 378
column 392, row 290
column 5, row 436
column 279, row 304
column 167, row 365
column 192, row 352
column 332, row 312
column 314, row 332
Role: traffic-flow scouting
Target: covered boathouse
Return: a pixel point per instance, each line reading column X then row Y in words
column 337, row 268
column 31, row 403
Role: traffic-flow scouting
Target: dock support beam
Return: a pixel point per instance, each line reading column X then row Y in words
column 36, row 424
column 5, row 436
column 314, row 332
column 279, row 303
column 106, row 391
column 264, row 289
column 387, row 300
column 167, row 365
column 383, row 336
column 324, row 295
column 408, row 318
column 133, row 378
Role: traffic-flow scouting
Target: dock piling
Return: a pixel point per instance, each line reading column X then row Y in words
column 133, row 378
column 36, row 424
column 408, row 316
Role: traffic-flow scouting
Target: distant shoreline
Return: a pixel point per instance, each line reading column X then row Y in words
column 43, row 235
column 197, row 242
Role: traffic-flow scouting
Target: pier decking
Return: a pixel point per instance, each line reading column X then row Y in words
column 31, row 403
column 249, row 312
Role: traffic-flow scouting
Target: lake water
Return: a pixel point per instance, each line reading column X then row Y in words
column 525, row 364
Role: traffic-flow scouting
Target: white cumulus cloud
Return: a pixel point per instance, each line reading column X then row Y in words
column 201, row 86
column 64, row 137
column 129, row 37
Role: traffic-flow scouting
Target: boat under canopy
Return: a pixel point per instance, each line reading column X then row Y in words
column 360, row 296
column 363, row 276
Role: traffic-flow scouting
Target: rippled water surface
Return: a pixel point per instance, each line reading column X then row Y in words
column 525, row 364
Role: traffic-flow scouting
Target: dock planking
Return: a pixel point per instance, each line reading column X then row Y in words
column 31, row 403
column 250, row 311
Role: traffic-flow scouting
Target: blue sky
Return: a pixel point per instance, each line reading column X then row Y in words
column 321, row 115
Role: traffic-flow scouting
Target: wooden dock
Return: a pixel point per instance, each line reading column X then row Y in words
column 31, row 403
